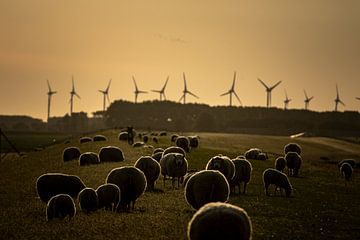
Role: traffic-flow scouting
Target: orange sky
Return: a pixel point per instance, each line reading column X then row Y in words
column 307, row 44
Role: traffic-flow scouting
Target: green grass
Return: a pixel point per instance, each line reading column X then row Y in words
column 322, row 206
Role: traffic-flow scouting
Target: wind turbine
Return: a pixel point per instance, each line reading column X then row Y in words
column 232, row 91
column 358, row 98
column 307, row 100
column 106, row 95
column 268, row 91
column 186, row 91
column 286, row 101
column 137, row 91
column 162, row 91
column 337, row 99
column 49, row 93
column 72, row 94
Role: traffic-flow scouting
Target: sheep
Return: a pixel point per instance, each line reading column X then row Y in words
column 71, row 153
column 349, row 161
column 85, row 139
column 60, row 206
column 162, row 133
column 243, row 169
column 174, row 137
column 293, row 162
column 109, row 196
column 138, row 144
column 175, row 166
column 88, row 158
column 346, row 171
column 262, row 156
column 174, row 149
column 155, row 140
column 157, row 156
column 51, row 184
column 252, row 153
column 292, row 147
column 279, row 179
column 280, row 164
column 219, row 221
column 111, row 154
column 156, row 150
column 88, row 200
column 145, row 139
column 151, row 169
column 123, row 136
column 206, row 186
column 183, row 142
column 99, row 138
column 193, row 141
column 132, row 184
column 223, row 164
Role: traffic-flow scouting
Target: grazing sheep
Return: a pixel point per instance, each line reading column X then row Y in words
column 280, row 164
column 175, row 166
column 206, row 186
column 99, row 138
column 222, row 164
column 174, row 149
column 156, row 150
column 243, row 169
column 252, row 153
column 151, row 169
column 51, row 184
column 88, row 158
column 292, row 147
column 262, row 156
column 193, row 141
column 123, row 136
column 349, row 161
column 131, row 133
column 111, row 154
column 138, row 144
column 162, row 133
column 60, row 206
column 157, row 156
column 346, row 171
column 88, row 200
column 183, row 142
column 109, row 196
column 174, row 137
column 132, row 184
column 279, row 179
column 220, row 221
column 155, row 140
column 71, row 153
column 293, row 162
column 85, row 139
column 145, row 139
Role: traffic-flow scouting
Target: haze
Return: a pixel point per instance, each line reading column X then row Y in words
column 308, row 45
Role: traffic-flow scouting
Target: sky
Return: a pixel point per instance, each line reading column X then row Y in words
column 311, row 45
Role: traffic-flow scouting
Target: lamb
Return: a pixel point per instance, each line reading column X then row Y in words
column 162, row 133
column 252, row 153
column 60, row 206
column 349, row 161
column 156, row 150
column 346, row 171
column 99, row 138
column 243, row 169
column 193, row 141
column 280, row 164
column 292, row 147
column 131, row 182
column 220, row 221
column 174, row 150
column 293, row 162
column 51, row 184
column 279, row 179
column 157, row 156
column 88, row 158
column 85, row 139
column 206, row 186
column 111, row 154
column 151, row 169
column 262, row 156
column 138, row 144
column 123, row 136
column 88, row 200
column 175, row 166
column 174, row 137
column 71, row 153
column 183, row 142
column 145, row 139
column 222, row 164
column 109, row 196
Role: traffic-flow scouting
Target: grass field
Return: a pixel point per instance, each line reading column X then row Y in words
column 322, row 206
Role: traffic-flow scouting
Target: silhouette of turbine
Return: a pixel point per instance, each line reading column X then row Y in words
column 358, row 98
column 286, row 101
column 337, row 99
column 186, row 91
column 162, row 91
column 232, row 91
column 137, row 91
column 268, row 91
column 72, row 94
column 106, row 95
column 307, row 100
column 49, row 93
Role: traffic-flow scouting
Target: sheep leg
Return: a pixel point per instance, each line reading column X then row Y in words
column 164, row 182
column 173, row 182
column 266, row 189
column 244, row 190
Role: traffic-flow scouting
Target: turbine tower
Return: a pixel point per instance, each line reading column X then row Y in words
column 268, row 91
column 337, row 99
column 232, row 91
column 49, row 93
column 162, row 91
column 72, row 94
column 286, row 101
column 137, row 91
column 186, row 91
column 307, row 100
column 106, row 95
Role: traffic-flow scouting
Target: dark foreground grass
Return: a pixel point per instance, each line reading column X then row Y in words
column 322, row 206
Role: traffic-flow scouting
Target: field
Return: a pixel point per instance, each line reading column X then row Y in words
column 322, row 207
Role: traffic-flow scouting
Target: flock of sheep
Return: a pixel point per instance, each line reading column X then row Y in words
column 207, row 191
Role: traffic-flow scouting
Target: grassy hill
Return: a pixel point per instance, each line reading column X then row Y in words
column 322, row 206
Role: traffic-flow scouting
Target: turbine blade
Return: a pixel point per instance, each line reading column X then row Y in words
column 158, row 91
column 48, row 85
column 277, row 84
column 185, row 87
column 358, row 98
column 342, row 103
column 238, row 98
column 182, row 97
column 107, row 89
column 263, row 83
column 163, row 89
column 233, row 84
column 107, row 96
column 311, row 98
column 164, row 95
column 228, row 92
column 136, row 88
column 306, row 96
column 142, row 91
column 192, row 94
column 77, row 95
